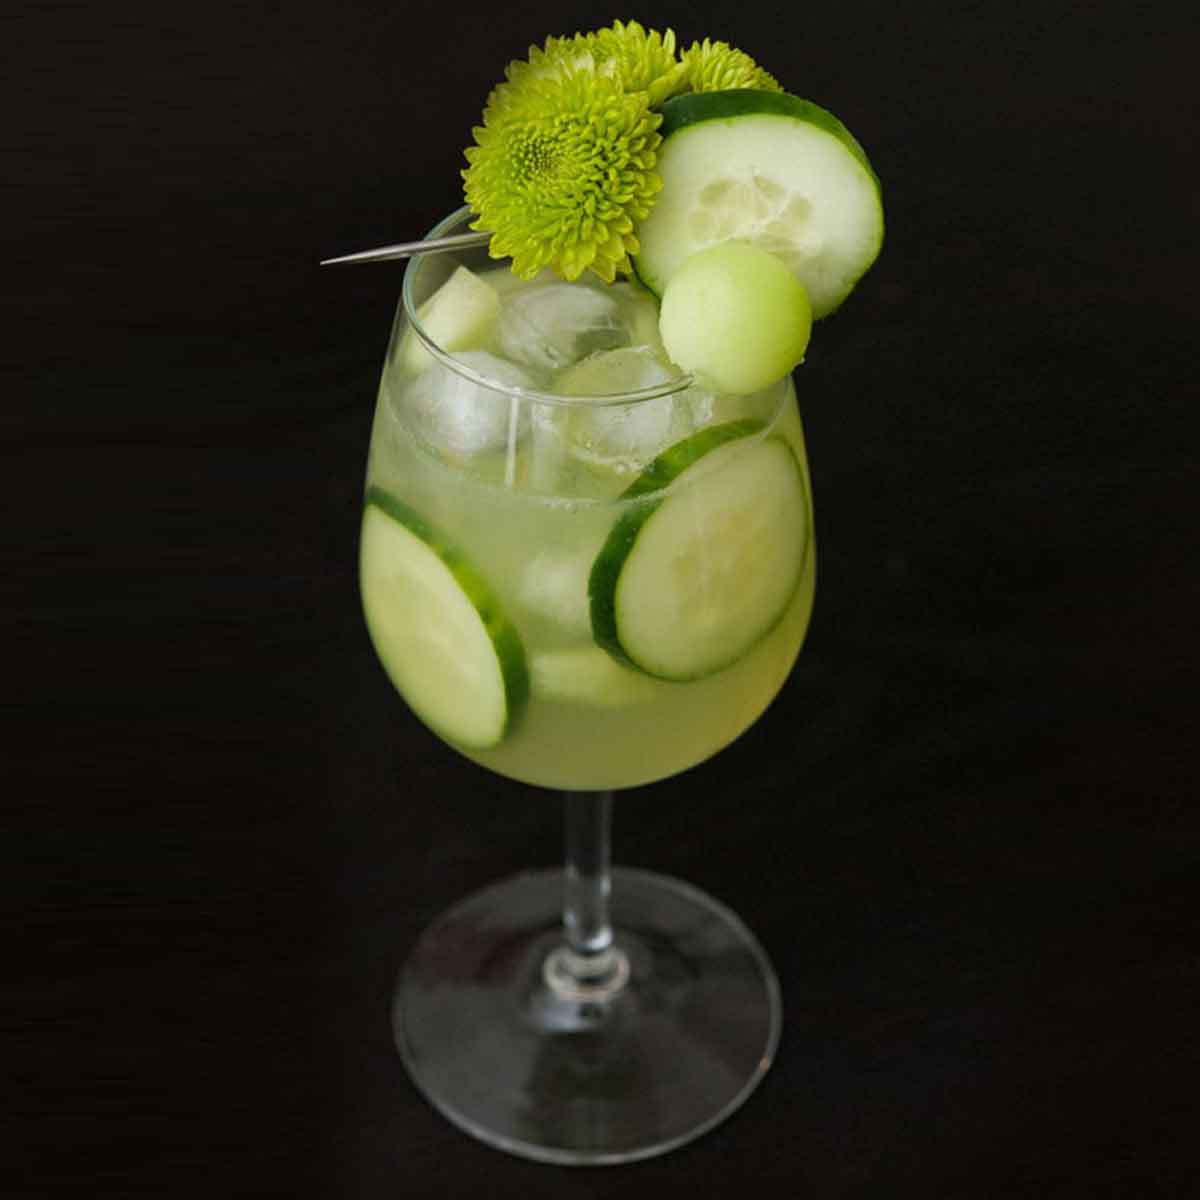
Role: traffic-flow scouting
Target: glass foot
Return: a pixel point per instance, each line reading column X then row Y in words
column 678, row 1034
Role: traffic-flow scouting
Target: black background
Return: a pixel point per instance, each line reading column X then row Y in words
column 966, row 831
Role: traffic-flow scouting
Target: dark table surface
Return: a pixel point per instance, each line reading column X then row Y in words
column 966, row 830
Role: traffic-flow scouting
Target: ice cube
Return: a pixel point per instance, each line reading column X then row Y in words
column 554, row 588
column 693, row 410
column 639, row 311
column 457, row 415
column 623, row 438
column 554, row 325
column 612, row 372
column 618, row 437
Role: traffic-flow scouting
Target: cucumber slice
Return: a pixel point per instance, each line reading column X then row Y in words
column 458, row 316
column 767, row 168
column 687, row 583
column 438, row 628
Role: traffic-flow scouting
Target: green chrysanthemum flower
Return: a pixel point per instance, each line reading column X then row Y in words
column 643, row 60
column 563, row 166
column 717, row 67
column 550, row 59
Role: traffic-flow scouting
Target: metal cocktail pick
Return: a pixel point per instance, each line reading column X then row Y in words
column 456, row 241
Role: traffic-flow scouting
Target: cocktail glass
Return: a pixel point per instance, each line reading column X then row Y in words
column 586, row 1014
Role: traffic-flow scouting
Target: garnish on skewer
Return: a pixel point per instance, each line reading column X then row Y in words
column 563, row 166
column 718, row 67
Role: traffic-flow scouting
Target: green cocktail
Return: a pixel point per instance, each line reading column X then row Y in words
column 588, row 560
column 516, row 496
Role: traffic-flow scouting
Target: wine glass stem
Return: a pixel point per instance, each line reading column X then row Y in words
column 588, row 852
column 589, row 964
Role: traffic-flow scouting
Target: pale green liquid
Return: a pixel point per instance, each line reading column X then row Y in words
column 614, row 728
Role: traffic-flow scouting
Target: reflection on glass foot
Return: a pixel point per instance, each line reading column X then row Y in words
column 680, row 1029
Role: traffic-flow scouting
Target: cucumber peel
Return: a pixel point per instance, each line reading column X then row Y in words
column 439, row 628
column 689, row 581
column 682, row 111
column 767, row 168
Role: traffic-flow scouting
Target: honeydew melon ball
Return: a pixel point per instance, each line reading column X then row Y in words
column 736, row 317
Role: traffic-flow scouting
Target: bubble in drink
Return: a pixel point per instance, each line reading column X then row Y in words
column 459, row 416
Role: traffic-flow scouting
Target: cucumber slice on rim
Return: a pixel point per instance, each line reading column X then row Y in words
column 767, row 168
column 687, row 583
column 438, row 628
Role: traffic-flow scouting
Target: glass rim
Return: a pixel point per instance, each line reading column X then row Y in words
column 447, row 360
